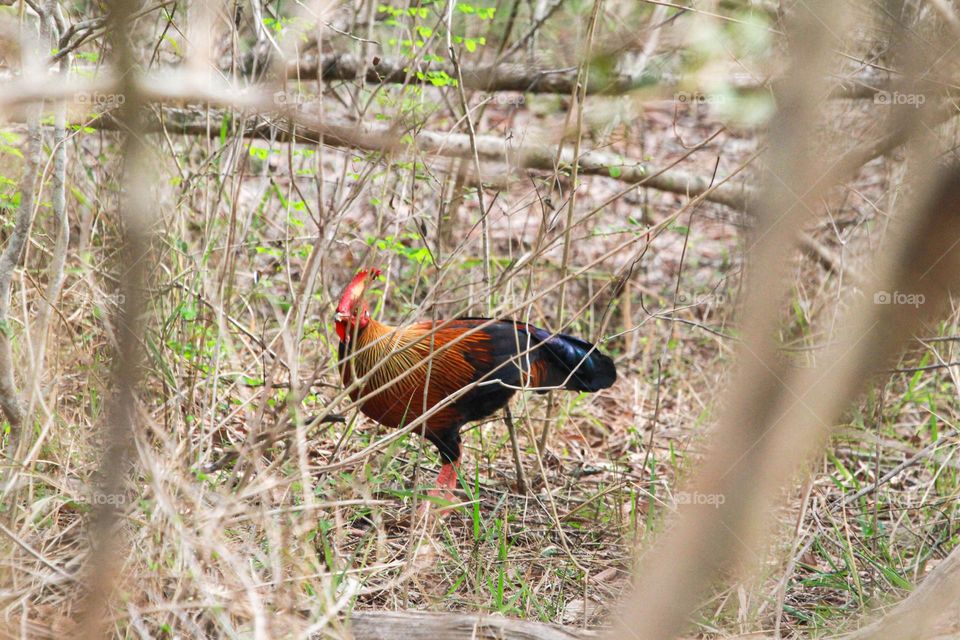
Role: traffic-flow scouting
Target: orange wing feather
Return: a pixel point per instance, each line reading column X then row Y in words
column 403, row 367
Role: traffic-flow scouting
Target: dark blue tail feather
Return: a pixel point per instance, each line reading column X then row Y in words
column 574, row 363
column 558, row 360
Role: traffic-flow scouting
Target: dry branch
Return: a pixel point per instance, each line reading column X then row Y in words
column 58, row 202
column 387, row 140
column 449, row 626
column 338, row 132
column 711, row 540
column 502, row 77
column 524, row 79
column 419, row 625
column 120, row 417
column 791, row 413
column 928, row 606
column 10, row 402
column 309, row 128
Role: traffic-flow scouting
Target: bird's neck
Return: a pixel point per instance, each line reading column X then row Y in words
column 373, row 331
column 371, row 346
column 371, row 340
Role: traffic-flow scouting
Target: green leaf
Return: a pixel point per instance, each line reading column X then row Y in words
column 173, row 44
column 224, row 127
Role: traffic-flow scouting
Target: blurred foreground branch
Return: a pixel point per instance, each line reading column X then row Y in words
column 120, row 415
column 790, row 414
column 933, row 602
column 303, row 126
column 775, row 416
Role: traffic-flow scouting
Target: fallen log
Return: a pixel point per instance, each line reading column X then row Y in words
column 409, row 625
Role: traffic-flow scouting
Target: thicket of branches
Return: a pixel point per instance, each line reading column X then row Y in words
column 752, row 206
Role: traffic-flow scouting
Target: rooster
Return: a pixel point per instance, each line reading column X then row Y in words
column 466, row 369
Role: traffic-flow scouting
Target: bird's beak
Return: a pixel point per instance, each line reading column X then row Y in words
column 339, row 316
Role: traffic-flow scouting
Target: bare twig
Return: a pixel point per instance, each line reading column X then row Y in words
column 59, row 208
column 10, row 401
column 522, row 486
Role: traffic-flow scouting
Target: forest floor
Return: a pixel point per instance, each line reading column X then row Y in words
column 308, row 525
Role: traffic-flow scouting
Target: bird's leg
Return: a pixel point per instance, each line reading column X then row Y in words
column 447, row 442
column 446, row 481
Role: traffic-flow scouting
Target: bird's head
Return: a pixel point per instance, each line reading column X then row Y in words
column 353, row 309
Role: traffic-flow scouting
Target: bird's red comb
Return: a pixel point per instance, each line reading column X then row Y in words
column 354, row 291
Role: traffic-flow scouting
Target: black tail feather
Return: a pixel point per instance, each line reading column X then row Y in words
column 556, row 361
column 575, row 363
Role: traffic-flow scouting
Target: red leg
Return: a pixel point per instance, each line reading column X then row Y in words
column 446, row 482
column 448, row 476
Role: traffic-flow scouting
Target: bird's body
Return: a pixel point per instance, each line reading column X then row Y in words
column 464, row 369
